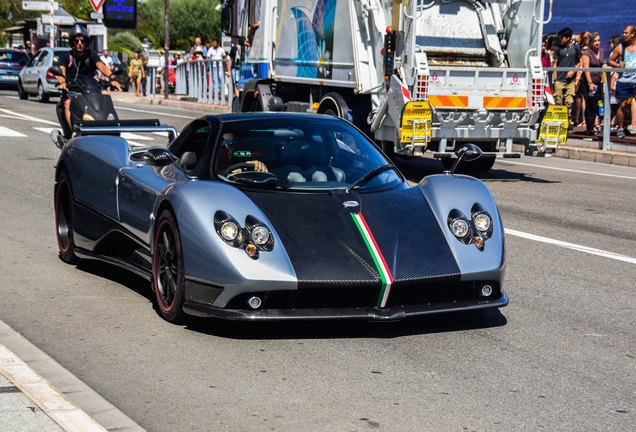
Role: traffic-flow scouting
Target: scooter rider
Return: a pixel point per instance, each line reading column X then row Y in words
column 80, row 61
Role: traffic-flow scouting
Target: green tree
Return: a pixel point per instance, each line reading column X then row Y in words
column 11, row 11
column 78, row 8
column 125, row 41
column 188, row 19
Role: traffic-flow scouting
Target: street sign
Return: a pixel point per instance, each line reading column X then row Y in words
column 58, row 19
column 97, row 15
column 96, row 29
column 96, row 4
column 40, row 5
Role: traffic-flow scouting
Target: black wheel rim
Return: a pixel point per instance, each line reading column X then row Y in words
column 63, row 216
column 167, row 266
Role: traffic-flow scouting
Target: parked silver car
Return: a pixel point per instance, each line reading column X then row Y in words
column 36, row 79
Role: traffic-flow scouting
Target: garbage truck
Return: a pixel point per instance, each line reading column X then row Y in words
column 414, row 75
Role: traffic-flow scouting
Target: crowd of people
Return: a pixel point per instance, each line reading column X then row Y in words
column 582, row 91
column 138, row 65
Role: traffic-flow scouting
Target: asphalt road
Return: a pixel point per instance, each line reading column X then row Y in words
column 559, row 357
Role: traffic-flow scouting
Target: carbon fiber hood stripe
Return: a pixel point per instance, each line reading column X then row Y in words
column 325, row 246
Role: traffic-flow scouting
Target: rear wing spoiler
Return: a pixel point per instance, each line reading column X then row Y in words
column 114, row 127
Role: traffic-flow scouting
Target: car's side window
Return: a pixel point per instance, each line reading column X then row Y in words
column 42, row 60
column 193, row 141
column 35, row 59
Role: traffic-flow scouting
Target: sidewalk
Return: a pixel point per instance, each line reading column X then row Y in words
column 578, row 145
column 29, row 401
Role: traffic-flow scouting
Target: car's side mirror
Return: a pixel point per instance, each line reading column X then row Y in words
column 158, row 157
column 468, row 152
column 188, row 160
column 56, row 70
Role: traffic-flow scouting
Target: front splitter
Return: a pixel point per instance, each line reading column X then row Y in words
column 363, row 313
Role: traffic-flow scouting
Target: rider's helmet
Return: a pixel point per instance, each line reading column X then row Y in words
column 77, row 33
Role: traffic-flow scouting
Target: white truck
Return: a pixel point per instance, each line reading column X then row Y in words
column 415, row 75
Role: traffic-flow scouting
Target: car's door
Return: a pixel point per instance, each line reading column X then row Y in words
column 42, row 66
column 140, row 186
column 29, row 74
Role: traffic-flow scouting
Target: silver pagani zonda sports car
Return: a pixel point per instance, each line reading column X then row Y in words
column 278, row 216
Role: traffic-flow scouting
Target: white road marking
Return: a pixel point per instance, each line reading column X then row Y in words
column 570, row 170
column 26, row 117
column 44, row 129
column 128, row 136
column 6, row 132
column 153, row 112
column 572, row 246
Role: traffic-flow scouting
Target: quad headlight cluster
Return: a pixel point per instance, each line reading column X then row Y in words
column 253, row 237
column 476, row 229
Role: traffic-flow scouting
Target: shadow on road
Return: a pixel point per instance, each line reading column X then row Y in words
column 451, row 322
column 439, row 323
column 416, row 169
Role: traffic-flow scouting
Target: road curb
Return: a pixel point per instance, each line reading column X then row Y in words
column 50, row 400
column 594, row 155
column 75, row 408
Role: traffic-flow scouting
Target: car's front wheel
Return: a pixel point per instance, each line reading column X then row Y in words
column 64, row 218
column 22, row 94
column 167, row 269
column 42, row 95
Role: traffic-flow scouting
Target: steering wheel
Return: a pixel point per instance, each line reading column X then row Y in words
column 241, row 165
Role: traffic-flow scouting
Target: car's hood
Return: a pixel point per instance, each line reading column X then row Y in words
column 393, row 232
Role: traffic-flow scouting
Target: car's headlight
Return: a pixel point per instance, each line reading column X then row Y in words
column 482, row 222
column 460, row 228
column 260, row 235
column 87, row 116
column 229, row 231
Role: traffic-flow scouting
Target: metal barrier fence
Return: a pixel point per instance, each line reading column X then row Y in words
column 205, row 80
column 607, row 117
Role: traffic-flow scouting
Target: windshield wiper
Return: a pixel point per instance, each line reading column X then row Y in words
column 368, row 176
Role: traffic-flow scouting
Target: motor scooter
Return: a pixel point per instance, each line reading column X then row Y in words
column 89, row 102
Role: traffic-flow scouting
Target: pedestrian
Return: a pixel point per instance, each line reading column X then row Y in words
column 615, row 41
column 624, row 56
column 136, row 73
column 161, row 68
column 108, row 61
column 579, row 99
column 592, row 82
column 144, row 77
column 567, row 55
column 206, row 49
column 221, row 65
column 196, row 52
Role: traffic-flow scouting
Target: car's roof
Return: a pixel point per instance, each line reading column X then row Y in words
column 12, row 50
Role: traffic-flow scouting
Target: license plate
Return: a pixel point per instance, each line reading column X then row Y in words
column 9, row 77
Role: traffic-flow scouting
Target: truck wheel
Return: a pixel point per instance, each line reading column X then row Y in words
column 335, row 105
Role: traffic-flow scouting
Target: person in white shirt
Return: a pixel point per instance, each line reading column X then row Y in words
column 223, row 64
column 108, row 61
column 161, row 68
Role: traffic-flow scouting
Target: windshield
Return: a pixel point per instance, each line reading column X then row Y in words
column 14, row 57
column 299, row 153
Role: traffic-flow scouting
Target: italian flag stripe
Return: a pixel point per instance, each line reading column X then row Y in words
column 378, row 258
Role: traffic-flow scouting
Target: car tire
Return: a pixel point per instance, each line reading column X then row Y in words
column 64, row 203
column 168, row 275
column 42, row 95
column 22, row 94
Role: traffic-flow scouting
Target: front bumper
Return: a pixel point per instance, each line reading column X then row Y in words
column 394, row 313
